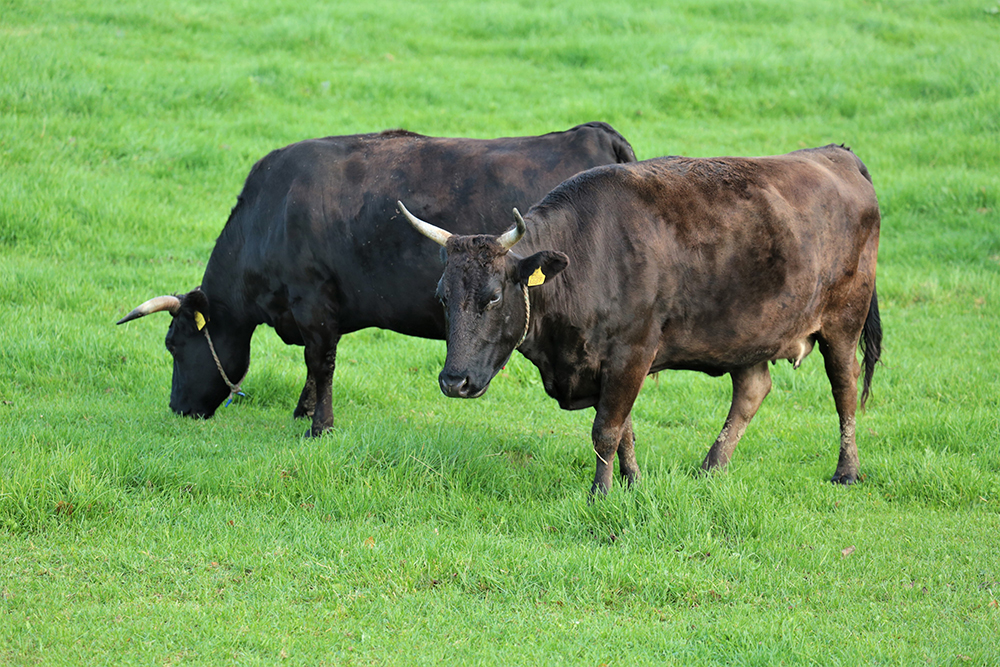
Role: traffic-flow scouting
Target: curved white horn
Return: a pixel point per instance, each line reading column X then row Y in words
column 435, row 234
column 514, row 234
column 154, row 305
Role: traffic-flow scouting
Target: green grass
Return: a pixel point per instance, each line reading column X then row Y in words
column 424, row 530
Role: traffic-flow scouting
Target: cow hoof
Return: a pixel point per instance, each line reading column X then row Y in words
column 316, row 433
column 709, row 471
column 597, row 491
column 302, row 414
column 843, row 478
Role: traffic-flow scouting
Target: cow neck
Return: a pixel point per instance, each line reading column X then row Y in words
column 527, row 322
column 225, row 304
column 530, row 238
column 539, row 236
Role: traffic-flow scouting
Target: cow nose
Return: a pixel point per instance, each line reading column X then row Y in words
column 454, row 386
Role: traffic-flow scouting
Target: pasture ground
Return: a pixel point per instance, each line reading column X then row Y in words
column 425, row 530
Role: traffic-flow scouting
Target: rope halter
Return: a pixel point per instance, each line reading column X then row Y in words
column 234, row 389
column 527, row 315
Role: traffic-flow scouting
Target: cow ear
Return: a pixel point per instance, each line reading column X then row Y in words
column 541, row 266
column 444, row 255
column 196, row 301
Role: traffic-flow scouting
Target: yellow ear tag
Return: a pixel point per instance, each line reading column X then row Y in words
column 199, row 320
column 536, row 278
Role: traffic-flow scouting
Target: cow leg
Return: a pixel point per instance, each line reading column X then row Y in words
column 628, row 469
column 608, row 433
column 307, row 400
column 612, row 432
column 750, row 386
column 843, row 370
column 321, row 356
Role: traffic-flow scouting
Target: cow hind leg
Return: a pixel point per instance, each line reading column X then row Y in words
column 750, row 386
column 842, row 369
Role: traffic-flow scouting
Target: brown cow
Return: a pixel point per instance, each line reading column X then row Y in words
column 716, row 265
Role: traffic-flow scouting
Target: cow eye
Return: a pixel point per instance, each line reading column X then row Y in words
column 495, row 300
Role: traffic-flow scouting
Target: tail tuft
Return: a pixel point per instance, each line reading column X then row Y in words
column 871, row 346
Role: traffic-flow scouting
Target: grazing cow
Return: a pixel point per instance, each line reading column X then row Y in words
column 715, row 265
column 311, row 248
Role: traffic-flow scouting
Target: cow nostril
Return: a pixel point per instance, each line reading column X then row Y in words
column 454, row 386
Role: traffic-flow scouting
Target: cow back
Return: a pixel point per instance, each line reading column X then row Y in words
column 320, row 216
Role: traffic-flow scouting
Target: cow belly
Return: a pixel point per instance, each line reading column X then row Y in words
column 417, row 317
column 719, row 355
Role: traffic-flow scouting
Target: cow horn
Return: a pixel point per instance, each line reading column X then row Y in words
column 435, row 234
column 514, row 234
column 154, row 305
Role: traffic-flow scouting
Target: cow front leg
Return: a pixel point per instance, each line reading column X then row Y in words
column 307, row 399
column 750, row 387
column 628, row 469
column 842, row 369
column 321, row 357
column 607, row 435
column 612, row 433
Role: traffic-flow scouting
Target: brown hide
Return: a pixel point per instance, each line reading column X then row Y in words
column 718, row 265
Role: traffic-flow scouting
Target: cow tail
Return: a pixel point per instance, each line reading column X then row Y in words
column 871, row 346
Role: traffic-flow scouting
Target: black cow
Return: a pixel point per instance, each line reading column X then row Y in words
column 311, row 248
column 716, row 265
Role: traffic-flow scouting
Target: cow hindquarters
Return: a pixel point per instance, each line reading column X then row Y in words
column 750, row 387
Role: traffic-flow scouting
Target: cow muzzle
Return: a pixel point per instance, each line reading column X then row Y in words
column 459, row 385
column 194, row 413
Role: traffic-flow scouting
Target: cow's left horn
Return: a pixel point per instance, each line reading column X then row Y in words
column 514, row 234
column 154, row 305
column 435, row 234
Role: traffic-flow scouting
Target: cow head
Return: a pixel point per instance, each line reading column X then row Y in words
column 484, row 291
column 198, row 388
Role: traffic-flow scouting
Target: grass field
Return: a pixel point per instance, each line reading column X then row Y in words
column 426, row 530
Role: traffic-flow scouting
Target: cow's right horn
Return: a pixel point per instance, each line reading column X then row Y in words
column 154, row 305
column 514, row 234
column 435, row 234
